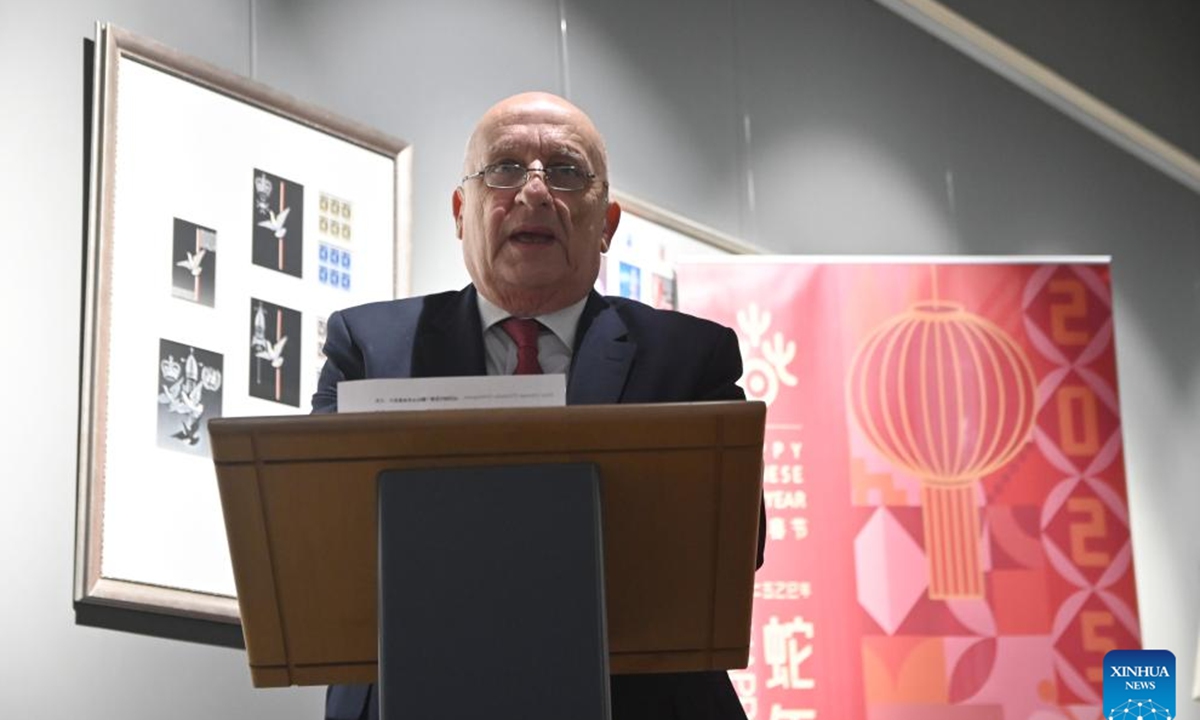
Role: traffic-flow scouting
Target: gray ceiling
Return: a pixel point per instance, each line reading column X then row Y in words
column 1142, row 58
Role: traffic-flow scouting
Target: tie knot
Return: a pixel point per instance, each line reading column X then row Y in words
column 524, row 332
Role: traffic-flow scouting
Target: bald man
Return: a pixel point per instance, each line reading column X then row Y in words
column 533, row 214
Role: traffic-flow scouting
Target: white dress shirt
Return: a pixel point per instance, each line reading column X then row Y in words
column 555, row 343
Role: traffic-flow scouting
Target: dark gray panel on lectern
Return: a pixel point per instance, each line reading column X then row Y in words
column 491, row 593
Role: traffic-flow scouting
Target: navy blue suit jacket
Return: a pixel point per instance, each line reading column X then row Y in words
column 625, row 352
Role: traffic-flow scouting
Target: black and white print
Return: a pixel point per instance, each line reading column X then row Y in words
column 194, row 263
column 278, row 223
column 189, row 394
column 274, row 352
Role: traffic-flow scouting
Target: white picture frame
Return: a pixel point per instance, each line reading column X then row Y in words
column 640, row 262
column 225, row 221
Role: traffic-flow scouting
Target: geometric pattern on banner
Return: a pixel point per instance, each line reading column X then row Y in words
column 1085, row 519
column 868, row 427
column 889, row 569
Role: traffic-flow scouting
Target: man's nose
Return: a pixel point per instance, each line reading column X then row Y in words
column 535, row 191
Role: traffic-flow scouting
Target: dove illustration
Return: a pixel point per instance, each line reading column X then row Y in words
column 193, row 262
column 191, row 401
column 170, row 397
column 189, row 432
column 275, row 222
column 274, row 353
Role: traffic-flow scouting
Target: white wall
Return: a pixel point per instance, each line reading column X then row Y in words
column 49, row 667
column 865, row 136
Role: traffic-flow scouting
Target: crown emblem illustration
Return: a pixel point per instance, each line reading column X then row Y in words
column 171, row 368
column 262, row 184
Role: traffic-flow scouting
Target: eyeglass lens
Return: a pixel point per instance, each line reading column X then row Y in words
column 557, row 177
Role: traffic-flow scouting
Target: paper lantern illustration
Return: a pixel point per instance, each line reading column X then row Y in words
column 947, row 396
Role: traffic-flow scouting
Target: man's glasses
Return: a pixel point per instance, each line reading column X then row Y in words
column 509, row 175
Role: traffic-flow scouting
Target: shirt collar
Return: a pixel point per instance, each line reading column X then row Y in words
column 563, row 323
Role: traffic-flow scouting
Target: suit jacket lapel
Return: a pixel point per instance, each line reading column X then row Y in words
column 450, row 338
column 449, row 342
column 603, row 355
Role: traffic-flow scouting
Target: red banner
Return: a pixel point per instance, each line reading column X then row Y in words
column 948, row 531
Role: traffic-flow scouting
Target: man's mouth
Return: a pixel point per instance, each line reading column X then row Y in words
column 532, row 236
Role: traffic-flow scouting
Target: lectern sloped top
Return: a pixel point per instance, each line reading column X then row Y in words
column 680, row 488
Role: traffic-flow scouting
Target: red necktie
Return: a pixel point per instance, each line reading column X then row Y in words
column 524, row 332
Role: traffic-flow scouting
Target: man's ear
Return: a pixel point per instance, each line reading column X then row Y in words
column 612, row 218
column 456, row 204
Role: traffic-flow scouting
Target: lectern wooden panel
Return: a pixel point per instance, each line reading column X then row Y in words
column 680, row 487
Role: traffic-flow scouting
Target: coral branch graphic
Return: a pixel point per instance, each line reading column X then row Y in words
column 754, row 323
column 780, row 354
column 763, row 374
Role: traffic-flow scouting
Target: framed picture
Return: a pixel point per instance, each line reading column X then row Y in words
column 640, row 262
column 226, row 221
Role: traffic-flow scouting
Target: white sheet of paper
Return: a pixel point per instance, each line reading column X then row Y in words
column 452, row 393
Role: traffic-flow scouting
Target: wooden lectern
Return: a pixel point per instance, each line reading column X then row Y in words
column 676, row 489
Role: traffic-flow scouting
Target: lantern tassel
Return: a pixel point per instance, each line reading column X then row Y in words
column 952, row 541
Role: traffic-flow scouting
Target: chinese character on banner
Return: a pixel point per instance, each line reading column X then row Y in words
column 786, row 646
column 779, row 713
